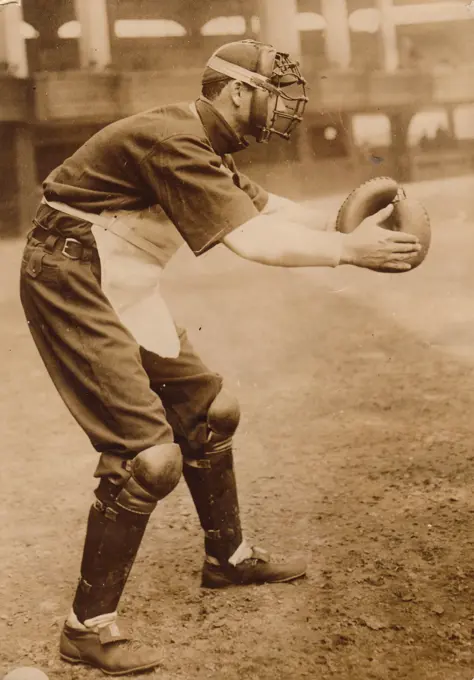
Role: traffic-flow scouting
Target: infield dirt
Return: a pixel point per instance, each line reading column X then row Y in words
column 355, row 449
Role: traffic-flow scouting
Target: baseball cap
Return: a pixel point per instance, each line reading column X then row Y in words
column 242, row 53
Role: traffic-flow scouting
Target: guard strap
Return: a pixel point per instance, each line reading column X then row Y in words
column 212, row 456
column 114, row 632
column 238, row 73
column 112, row 224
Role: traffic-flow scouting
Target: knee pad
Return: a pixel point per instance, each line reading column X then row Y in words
column 223, row 419
column 154, row 473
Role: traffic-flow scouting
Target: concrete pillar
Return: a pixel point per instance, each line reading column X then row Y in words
column 278, row 25
column 451, row 121
column 26, row 176
column 338, row 35
column 94, row 43
column 400, row 123
column 387, row 36
column 12, row 45
column 19, row 193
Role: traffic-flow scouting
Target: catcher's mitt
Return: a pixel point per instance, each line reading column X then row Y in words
column 408, row 215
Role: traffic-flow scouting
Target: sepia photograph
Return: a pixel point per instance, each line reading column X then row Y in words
column 237, row 375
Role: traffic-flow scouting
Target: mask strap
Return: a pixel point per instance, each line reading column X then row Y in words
column 238, row 73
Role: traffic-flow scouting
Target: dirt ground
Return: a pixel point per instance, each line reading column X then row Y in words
column 355, row 449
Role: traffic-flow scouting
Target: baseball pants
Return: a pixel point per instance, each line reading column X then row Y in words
column 125, row 398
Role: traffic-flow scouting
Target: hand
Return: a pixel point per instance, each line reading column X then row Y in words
column 373, row 247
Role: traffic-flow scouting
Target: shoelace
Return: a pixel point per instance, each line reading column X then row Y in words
column 252, row 561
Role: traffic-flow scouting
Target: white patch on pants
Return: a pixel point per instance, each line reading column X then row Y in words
column 131, row 279
column 132, row 262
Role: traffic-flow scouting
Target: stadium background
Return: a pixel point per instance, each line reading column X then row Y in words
column 392, row 83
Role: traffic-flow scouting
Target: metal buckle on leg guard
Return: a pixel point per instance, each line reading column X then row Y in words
column 106, row 510
column 219, row 534
column 71, row 242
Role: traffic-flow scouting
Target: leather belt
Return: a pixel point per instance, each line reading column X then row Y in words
column 69, row 247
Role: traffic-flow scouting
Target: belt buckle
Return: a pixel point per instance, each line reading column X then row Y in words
column 65, row 247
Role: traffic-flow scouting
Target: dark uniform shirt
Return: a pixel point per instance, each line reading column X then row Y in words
column 167, row 156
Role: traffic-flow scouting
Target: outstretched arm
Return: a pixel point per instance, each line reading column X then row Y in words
column 272, row 240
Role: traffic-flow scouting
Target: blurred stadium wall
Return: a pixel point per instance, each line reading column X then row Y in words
column 391, row 84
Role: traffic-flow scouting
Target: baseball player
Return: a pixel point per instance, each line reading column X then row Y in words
column 112, row 216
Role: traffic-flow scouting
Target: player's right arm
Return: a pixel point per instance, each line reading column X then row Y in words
column 198, row 194
column 272, row 241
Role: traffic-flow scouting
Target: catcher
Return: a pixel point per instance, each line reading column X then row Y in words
column 112, row 216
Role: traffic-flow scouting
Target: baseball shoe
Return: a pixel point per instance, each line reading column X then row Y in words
column 256, row 569
column 109, row 649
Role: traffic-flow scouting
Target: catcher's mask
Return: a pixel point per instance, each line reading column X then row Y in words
column 274, row 77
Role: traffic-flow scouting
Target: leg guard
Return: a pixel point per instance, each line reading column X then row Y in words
column 209, row 474
column 117, row 522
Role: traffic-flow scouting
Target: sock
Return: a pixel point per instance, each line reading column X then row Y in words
column 243, row 552
column 95, row 624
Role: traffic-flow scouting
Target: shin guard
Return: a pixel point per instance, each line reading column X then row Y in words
column 210, row 477
column 117, row 522
column 112, row 540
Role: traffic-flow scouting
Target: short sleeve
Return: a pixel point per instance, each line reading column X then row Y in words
column 257, row 194
column 196, row 190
